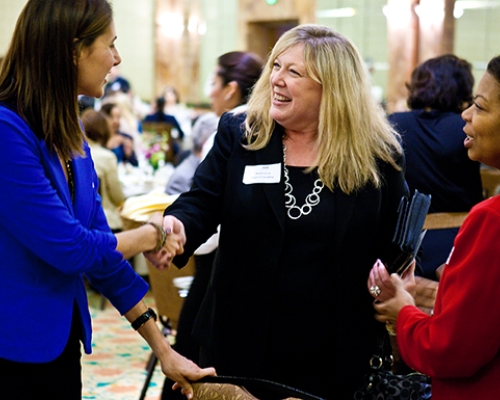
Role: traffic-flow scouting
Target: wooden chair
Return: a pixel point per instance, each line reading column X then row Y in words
column 220, row 391
column 157, row 132
column 490, row 178
column 166, row 295
column 444, row 220
column 168, row 305
column 237, row 388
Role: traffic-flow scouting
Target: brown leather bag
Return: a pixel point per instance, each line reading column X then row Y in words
column 235, row 388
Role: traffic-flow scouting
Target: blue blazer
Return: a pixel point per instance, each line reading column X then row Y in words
column 48, row 244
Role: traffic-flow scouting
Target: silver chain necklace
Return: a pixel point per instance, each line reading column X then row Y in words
column 312, row 198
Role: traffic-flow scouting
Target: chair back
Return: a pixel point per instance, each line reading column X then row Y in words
column 239, row 388
column 444, row 220
column 490, row 178
column 166, row 295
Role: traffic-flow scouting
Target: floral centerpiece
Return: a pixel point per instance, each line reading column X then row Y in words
column 156, row 148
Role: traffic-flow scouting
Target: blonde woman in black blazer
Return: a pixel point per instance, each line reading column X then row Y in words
column 305, row 186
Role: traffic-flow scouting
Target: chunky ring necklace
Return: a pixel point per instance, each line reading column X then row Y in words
column 312, row 199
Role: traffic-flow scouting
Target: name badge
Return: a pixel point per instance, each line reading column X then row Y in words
column 270, row 173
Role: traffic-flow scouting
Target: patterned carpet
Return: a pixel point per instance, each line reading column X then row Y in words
column 116, row 369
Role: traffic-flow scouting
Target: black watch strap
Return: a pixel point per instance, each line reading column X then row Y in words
column 140, row 321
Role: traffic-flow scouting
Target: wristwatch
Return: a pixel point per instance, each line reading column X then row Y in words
column 140, row 321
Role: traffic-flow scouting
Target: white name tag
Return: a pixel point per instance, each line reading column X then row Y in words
column 270, row 173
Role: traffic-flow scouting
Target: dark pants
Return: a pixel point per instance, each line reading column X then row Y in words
column 184, row 341
column 56, row 380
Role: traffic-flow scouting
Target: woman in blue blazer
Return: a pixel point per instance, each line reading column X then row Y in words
column 53, row 231
column 305, row 186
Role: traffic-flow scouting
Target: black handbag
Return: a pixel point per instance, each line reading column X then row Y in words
column 380, row 383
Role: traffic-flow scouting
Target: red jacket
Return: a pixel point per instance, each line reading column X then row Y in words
column 459, row 346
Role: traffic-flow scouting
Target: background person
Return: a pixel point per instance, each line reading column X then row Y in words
column 53, row 229
column 181, row 179
column 436, row 159
column 299, row 184
column 97, row 131
column 159, row 116
column 458, row 346
column 120, row 143
column 182, row 113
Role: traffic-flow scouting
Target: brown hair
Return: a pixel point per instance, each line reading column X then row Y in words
column 108, row 107
column 242, row 67
column 96, row 126
column 39, row 76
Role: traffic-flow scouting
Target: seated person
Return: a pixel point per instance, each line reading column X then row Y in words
column 182, row 177
column 160, row 116
column 97, row 131
column 119, row 143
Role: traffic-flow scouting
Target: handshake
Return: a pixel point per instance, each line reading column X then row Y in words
column 160, row 239
column 171, row 239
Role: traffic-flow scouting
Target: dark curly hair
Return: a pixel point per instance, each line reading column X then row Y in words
column 442, row 83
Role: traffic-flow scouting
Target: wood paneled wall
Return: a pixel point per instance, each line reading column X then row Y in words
column 262, row 24
column 417, row 30
column 177, row 47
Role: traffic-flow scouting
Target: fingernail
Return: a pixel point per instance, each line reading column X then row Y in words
column 168, row 231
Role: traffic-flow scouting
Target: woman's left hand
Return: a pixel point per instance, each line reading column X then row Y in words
column 380, row 284
column 183, row 371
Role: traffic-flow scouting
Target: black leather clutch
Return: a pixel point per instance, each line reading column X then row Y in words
column 408, row 234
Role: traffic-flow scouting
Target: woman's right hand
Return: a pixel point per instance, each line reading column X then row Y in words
column 388, row 310
column 425, row 294
column 176, row 235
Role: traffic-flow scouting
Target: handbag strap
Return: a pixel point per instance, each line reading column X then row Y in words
column 263, row 384
column 382, row 354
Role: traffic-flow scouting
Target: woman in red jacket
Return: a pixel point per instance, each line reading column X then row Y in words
column 458, row 346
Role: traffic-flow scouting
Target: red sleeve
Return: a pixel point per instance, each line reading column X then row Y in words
column 464, row 333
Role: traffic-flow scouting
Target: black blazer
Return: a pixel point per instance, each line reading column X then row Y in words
column 232, row 322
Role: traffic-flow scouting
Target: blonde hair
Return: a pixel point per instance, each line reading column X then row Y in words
column 353, row 131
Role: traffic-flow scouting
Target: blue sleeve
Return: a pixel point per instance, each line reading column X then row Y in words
column 35, row 208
